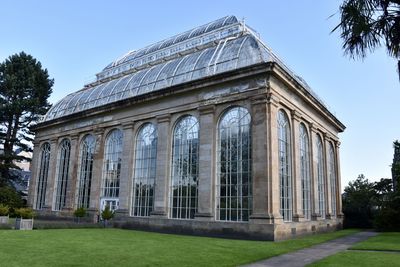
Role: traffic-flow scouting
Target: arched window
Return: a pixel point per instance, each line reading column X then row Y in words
column 285, row 163
column 234, row 183
column 321, row 177
column 85, row 170
column 185, row 160
column 145, row 171
column 64, row 152
column 42, row 177
column 305, row 172
column 332, row 178
column 112, row 166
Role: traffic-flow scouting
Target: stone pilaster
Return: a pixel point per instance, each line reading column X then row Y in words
column 72, row 173
column 273, row 160
column 34, row 168
column 260, row 163
column 207, row 144
column 296, row 168
column 339, row 212
column 163, row 166
column 125, row 183
column 314, row 172
column 51, row 177
column 328, row 194
column 97, row 170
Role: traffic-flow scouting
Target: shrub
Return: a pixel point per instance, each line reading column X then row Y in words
column 80, row 212
column 107, row 213
column 4, row 210
column 24, row 213
column 10, row 197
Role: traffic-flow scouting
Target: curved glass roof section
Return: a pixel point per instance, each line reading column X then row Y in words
column 220, row 46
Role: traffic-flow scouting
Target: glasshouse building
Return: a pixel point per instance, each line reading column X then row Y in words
column 207, row 132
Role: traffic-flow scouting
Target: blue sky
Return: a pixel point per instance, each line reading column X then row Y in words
column 75, row 40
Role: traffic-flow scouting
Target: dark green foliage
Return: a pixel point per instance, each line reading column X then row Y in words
column 368, row 205
column 4, row 210
column 107, row 213
column 24, row 90
column 24, row 213
column 359, row 205
column 368, row 24
column 388, row 217
column 80, row 212
column 396, row 165
column 10, row 197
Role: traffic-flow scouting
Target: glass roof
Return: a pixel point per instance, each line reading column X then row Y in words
column 219, row 46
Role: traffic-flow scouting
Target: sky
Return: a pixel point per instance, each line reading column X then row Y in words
column 76, row 39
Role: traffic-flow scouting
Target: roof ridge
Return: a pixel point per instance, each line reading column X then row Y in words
column 120, row 65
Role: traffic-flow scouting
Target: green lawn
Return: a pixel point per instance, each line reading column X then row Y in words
column 360, row 258
column 383, row 241
column 115, row 247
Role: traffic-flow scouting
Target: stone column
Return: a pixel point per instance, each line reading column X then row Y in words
column 328, row 194
column 339, row 212
column 296, row 168
column 261, row 185
column 72, row 179
column 34, row 168
column 313, row 172
column 51, row 175
column 163, row 167
column 206, row 187
column 125, row 183
column 273, row 161
column 97, row 174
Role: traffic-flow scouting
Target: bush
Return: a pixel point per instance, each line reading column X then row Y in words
column 107, row 213
column 10, row 197
column 80, row 212
column 4, row 210
column 24, row 213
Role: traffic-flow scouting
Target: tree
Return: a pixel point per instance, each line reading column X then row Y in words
column 396, row 164
column 367, row 24
column 359, row 203
column 24, row 90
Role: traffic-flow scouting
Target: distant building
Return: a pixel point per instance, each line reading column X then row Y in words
column 205, row 132
column 24, row 173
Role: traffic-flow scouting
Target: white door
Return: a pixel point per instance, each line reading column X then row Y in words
column 112, row 202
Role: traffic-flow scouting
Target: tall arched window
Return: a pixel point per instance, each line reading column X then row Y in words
column 42, row 177
column 332, row 178
column 185, row 160
column 112, row 166
column 145, row 171
column 234, row 183
column 61, row 184
column 321, row 177
column 305, row 172
column 85, row 170
column 285, row 160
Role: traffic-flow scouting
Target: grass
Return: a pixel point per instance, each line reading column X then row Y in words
column 116, row 247
column 360, row 258
column 373, row 255
column 383, row 241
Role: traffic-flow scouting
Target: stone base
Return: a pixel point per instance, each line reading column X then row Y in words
column 23, row 224
column 4, row 219
column 254, row 230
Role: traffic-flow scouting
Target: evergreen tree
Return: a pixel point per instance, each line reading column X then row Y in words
column 396, row 165
column 24, row 90
column 367, row 24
